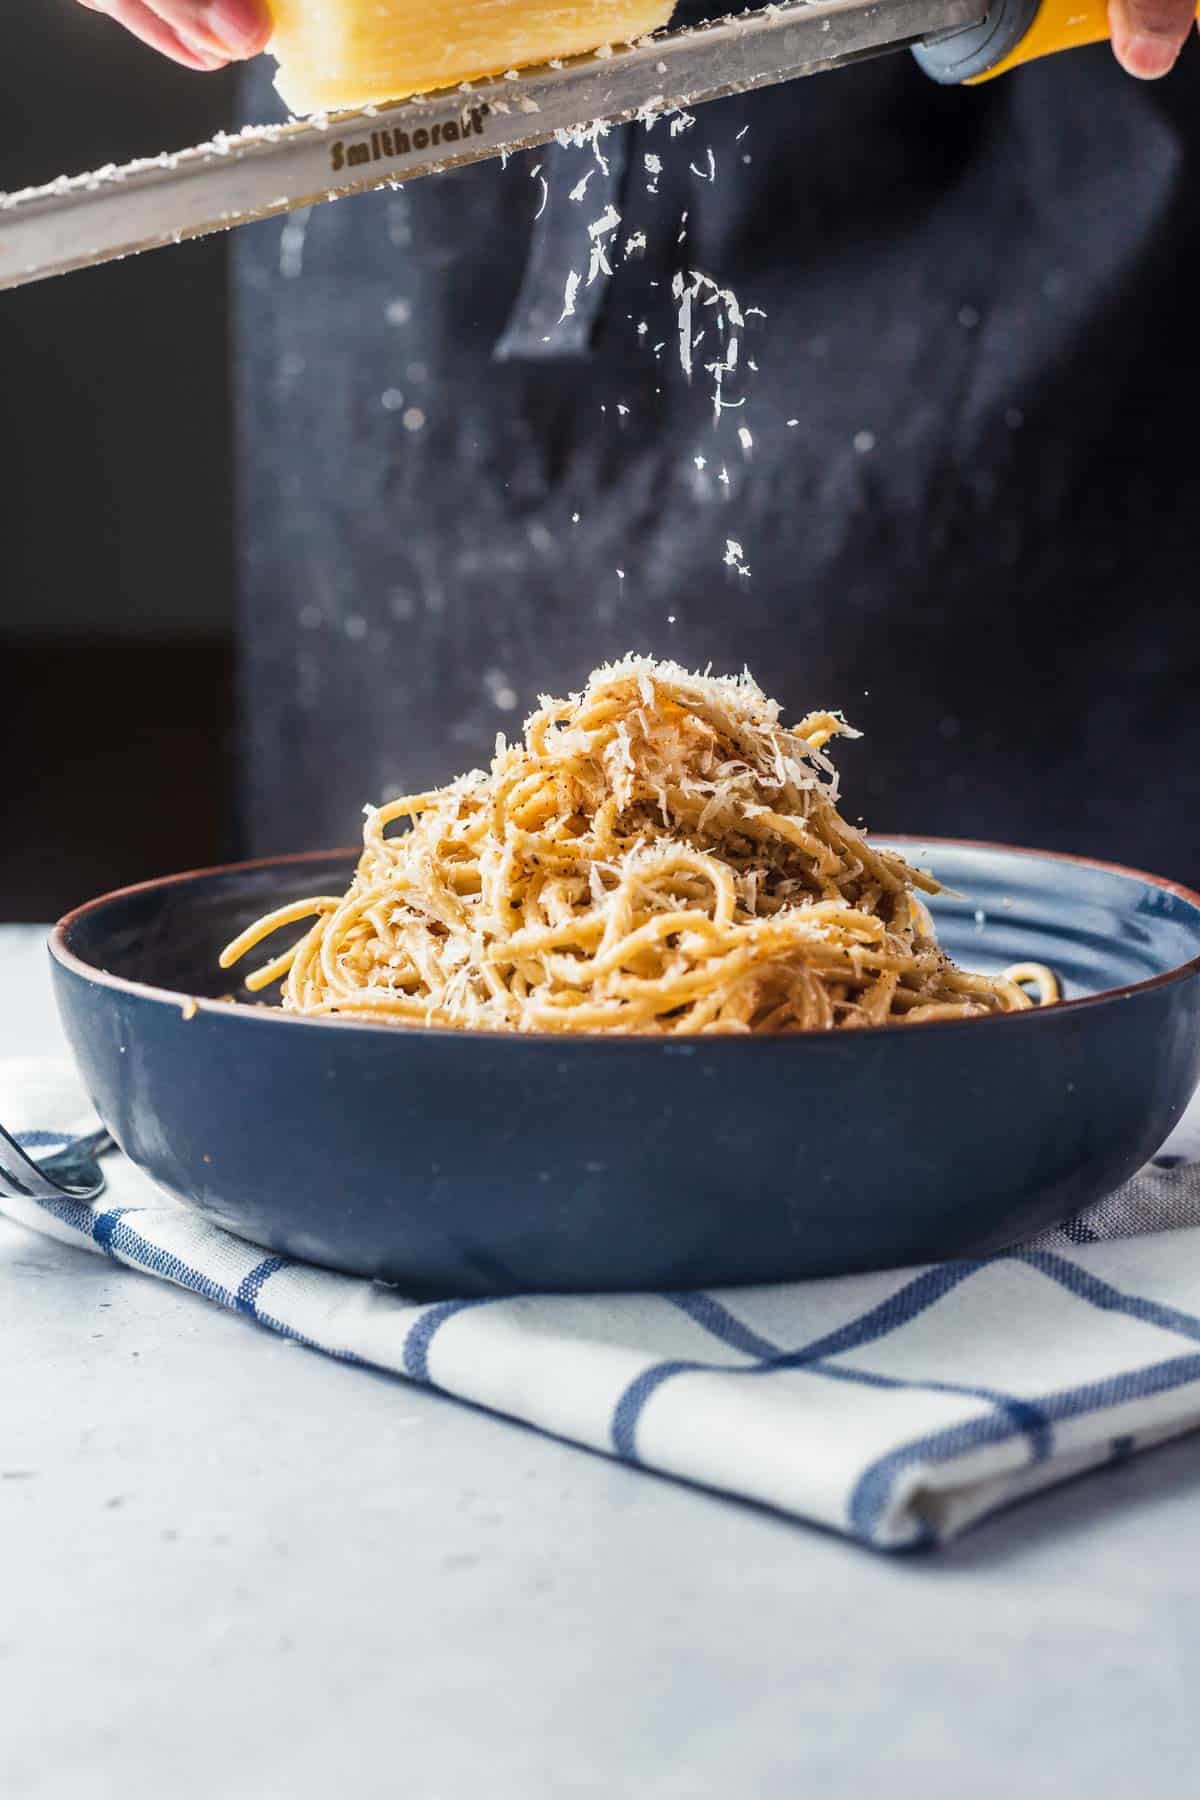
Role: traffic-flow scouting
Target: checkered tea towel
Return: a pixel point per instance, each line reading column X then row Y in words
column 897, row 1408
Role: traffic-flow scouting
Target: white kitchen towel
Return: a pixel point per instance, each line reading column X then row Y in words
column 897, row 1408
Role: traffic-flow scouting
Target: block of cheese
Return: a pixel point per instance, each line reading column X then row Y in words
column 345, row 53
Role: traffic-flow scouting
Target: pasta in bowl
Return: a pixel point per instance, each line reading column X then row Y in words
column 659, row 854
column 638, row 1008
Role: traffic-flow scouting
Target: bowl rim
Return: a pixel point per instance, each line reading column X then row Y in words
column 190, row 1005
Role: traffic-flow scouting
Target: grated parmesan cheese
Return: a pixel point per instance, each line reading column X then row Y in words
column 572, row 288
column 600, row 231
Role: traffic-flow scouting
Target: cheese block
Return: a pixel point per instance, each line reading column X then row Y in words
column 345, row 53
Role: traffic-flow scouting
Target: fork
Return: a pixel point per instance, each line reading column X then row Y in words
column 69, row 1172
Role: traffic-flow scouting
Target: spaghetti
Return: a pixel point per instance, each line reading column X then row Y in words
column 660, row 854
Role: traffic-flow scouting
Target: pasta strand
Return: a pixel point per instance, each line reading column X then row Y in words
column 661, row 855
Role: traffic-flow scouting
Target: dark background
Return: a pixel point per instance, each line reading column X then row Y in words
column 115, row 529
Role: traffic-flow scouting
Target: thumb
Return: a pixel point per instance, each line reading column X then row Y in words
column 1147, row 35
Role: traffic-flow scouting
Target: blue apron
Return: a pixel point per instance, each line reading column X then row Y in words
column 967, row 502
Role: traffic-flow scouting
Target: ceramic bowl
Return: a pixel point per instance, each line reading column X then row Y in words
column 471, row 1163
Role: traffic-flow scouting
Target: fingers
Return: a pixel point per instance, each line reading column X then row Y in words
column 1147, row 35
column 150, row 29
column 199, row 34
column 242, row 26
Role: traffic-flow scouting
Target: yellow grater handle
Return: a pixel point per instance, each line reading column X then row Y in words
column 1014, row 32
column 1058, row 25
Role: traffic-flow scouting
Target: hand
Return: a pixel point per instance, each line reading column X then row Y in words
column 1147, row 35
column 200, row 34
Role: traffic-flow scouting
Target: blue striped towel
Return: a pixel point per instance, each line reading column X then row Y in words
column 897, row 1408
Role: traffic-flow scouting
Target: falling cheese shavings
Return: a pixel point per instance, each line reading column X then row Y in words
column 709, row 316
column 572, row 288
column 728, row 299
column 545, row 191
column 728, row 316
column 653, row 109
column 684, row 296
column 735, row 557
column 580, row 188
column 582, row 137
column 600, row 231
column 659, row 107
column 609, row 219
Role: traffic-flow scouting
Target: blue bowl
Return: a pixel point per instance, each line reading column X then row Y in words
column 480, row 1163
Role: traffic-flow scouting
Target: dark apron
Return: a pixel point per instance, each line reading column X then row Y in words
column 969, row 510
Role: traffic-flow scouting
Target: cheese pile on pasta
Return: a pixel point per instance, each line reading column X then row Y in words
column 660, row 854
